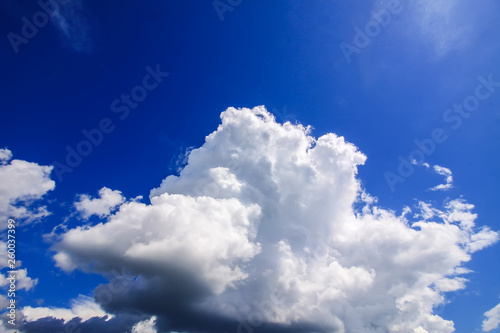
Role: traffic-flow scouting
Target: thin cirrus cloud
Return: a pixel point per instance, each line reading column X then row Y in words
column 448, row 176
column 102, row 206
column 258, row 232
column 449, row 25
column 75, row 25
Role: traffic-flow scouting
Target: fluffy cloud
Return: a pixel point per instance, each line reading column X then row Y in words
column 492, row 319
column 448, row 176
column 101, row 206
column 83, row 307
column 259, row 231
column 72, row 20
column 145, row 326
column 22, row 181
column 5, row 155
column 433, row 23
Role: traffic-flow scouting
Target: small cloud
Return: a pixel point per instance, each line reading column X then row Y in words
column 426, row 211
column 448, row 179
column 492, row 320
column 103, row 206
column 5, row 156
column 438, row 23
column 440, row 171
column 22, row 182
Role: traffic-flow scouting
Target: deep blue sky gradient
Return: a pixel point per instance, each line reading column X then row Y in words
column 281, row 54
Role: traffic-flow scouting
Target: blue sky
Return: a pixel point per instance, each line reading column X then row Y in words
column 315, row 63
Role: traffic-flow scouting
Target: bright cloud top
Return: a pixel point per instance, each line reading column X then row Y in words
column 71, row 20
column 102, row 206
column 23, row 281
column 259, row 230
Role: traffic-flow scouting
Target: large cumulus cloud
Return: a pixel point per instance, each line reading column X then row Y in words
column 259, row 232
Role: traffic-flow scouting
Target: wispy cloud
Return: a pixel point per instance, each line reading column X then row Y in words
column 83, row 307
column 440, row 23
column 259, row 224
column 448, row 179
column 74, row 24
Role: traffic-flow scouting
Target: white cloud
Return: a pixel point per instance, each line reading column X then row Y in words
column 23, row 281
column 22, row 182
column 448, row 176
column 203, row 235
column 448, row 179
column 260, row 224
column 492, row 320
column 5, row 156
column 83, row 307
column 102, row 206
column 4, row 329
column 145, row 326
